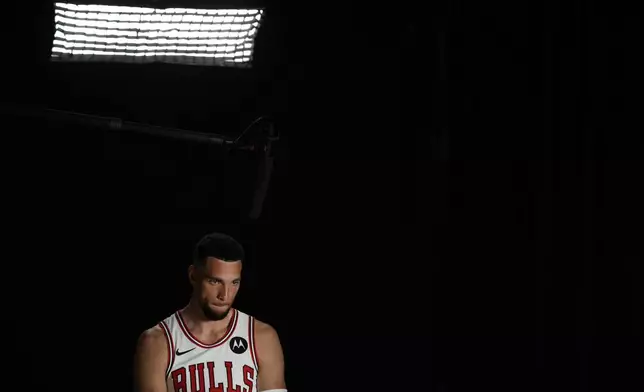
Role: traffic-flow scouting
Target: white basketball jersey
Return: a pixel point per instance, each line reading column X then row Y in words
column 228, row 365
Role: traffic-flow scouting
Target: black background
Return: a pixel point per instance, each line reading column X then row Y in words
column 456, row 203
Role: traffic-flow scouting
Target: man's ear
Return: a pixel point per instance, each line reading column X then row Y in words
column 192, row 274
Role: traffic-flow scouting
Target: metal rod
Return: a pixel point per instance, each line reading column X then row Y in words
column 117, row 124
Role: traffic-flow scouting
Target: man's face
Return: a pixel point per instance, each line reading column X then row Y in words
column 216, row 286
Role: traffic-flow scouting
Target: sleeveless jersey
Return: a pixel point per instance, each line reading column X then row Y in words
column 228, row 365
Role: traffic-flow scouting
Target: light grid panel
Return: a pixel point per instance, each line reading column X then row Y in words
column 222, row 37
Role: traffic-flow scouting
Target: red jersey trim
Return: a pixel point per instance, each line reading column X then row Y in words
column 170, row 343
column 231, row 328
column 251, row 337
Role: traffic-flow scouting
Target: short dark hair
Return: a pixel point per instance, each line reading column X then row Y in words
column 219, row 246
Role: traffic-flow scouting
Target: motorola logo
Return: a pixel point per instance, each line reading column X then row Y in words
column 238, row 345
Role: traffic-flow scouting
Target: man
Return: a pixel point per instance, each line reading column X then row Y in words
column 209, row 346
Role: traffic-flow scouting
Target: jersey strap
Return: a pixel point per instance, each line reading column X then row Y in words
column 170, row 343
column 251, row 338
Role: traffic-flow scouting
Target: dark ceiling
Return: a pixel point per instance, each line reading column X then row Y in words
column 321, row 55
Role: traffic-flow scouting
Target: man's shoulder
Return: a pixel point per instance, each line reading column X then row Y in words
column 152, row 339
column 264, row 330
column 269, row 347
column 261, row 327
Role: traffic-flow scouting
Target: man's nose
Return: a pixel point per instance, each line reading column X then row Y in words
column 223, row 293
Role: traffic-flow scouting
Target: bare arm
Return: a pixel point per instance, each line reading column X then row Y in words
column 270, row 358
column 151, row 361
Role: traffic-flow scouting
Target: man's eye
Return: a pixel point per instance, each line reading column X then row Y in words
column 213, row 281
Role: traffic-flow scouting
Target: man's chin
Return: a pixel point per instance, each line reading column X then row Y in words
column 216, row 314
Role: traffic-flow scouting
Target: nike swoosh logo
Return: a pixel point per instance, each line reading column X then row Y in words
column 183, row 352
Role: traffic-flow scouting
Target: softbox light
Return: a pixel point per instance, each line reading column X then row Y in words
column 211, row 37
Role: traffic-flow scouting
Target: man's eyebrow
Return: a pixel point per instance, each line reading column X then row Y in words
column 216, row 278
